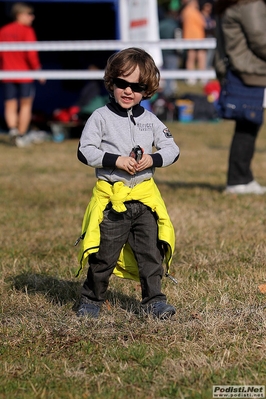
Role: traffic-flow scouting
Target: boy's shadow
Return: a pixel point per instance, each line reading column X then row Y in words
column 57, row 291
column 125, row 302
column 61, row 292
column 6, row 140
column 191, row 185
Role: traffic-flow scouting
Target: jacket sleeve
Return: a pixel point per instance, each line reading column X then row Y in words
column 167, row 150
column 32, row 56
column 89, row 148
column 253, row 18
column 1, row 56
column 89, row 151
column 245, row 39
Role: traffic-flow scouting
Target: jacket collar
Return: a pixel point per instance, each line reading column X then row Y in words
column 137, row 110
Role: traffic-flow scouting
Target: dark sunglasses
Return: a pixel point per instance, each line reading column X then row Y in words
column 123, row 84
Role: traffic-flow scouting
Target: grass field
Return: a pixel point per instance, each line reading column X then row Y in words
column 216, row 337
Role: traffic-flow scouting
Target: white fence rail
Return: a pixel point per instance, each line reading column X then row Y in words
column 105, row 45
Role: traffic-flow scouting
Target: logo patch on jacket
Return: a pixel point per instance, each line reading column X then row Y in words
column 167, row 133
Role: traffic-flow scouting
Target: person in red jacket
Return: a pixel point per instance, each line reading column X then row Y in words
column 19, row 92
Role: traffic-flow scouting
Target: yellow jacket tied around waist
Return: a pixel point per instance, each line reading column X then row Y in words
column 146, row 192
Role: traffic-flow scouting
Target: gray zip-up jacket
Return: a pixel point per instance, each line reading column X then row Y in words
column 243, row 28
column 112, row 131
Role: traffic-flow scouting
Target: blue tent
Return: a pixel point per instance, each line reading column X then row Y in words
column 58, row 20
column 103, row 4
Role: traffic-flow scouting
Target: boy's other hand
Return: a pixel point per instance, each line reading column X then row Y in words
column 130, row 165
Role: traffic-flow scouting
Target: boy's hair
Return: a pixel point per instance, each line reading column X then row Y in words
column 19, row 8
column 124, row 63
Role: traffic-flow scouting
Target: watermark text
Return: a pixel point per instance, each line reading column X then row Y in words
column 238, row 391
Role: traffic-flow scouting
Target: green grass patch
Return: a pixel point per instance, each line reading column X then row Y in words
column 218, row 333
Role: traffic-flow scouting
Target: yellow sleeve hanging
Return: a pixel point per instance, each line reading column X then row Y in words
column 146, row 192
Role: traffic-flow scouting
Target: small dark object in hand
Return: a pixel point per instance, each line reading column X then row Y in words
column 136, row 153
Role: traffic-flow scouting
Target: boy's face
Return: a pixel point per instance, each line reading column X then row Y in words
column 25, row 17
column 126, row 97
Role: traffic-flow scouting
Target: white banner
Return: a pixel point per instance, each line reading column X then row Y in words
column 139, row 22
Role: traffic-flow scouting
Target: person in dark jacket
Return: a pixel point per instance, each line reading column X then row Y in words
column 241, row 41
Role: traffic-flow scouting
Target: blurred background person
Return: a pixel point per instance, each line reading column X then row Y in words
column 168, row 28
column 193, row 27
column 210, row 24
column 241, row 47
column 93, row 95
column 19, row 93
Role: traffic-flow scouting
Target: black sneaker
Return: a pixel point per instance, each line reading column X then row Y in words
column 161, row 310
column 88, row 309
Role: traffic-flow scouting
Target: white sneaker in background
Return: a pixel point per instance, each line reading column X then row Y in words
column 191, row 82
column 38, row 136
column 251, row 188
column 23, row 141
column 13, row 132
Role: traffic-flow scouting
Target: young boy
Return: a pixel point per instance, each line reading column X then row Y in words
column 126, row 228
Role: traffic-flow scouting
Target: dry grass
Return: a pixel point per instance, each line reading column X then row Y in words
column 218, row 334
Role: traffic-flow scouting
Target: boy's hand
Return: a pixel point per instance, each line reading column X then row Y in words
column 127, row 163
column 130, row 165
column 145, row 163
